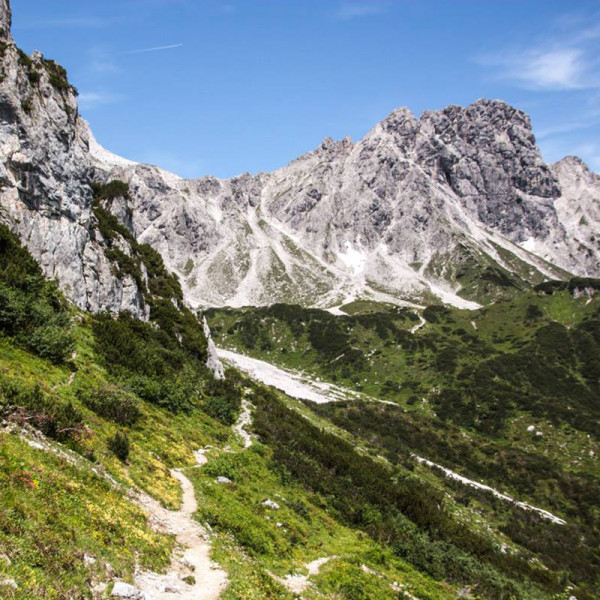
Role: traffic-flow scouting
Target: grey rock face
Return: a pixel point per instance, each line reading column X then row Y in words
column 386, row 217
column 212, row 360
column 5, row 20
column 578, row 209
column 45, row 175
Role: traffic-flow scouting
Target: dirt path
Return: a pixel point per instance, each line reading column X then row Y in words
column 192, row 557
column 192, row 574
column 418, row 326
column 297, row 584
column 243, row 421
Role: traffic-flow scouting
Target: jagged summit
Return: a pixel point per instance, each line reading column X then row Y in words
column 456, row 205
column 417, row 209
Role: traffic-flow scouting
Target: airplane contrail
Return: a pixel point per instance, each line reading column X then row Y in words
column 154, row 49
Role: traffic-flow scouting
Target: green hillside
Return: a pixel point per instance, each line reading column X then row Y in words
column 96, row 408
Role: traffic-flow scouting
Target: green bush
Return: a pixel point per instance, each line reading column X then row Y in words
column 119, row 445
column 57, row 75
column 113, row 403
column 53, row 416
column 32, row 309
column 51, row 342
column 222, row 400
column 111, row 190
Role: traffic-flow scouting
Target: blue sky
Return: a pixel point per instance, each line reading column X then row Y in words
column 222, row 87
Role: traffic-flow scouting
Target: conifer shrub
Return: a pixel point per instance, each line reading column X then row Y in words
column 33, row 311
column 120, row 446
column 113, row 403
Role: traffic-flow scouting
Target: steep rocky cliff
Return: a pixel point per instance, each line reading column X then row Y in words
column 456, row 205
column 45, row 176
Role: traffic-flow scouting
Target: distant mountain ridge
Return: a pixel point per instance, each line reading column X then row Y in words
column 456, row 206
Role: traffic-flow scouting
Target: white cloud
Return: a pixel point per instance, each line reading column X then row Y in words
column 550, row 70
column 567, row 127
column 94, row 99
column 557, row 69
column 562, row 58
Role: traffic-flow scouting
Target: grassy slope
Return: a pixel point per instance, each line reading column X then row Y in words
column 65, row 528
column 346, row 489
column 528, row 371
column 47, row 503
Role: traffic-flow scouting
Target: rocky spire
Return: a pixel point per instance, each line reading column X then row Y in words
column 5, row 20
column 212, row 361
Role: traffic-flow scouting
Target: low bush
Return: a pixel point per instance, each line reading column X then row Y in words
column 32, row 309
column 119, row 445
column 222, row 400
column 113, row 403
column 53, row 416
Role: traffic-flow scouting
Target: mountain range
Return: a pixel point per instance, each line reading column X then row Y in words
column 456, row 206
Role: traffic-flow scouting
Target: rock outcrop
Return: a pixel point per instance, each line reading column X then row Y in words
column 213, row 361
column 45, row 175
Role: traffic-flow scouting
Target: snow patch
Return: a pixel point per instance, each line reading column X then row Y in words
column 355, row 260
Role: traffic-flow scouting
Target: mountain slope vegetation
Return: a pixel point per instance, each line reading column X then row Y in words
column 352, row 495
column 505, row 396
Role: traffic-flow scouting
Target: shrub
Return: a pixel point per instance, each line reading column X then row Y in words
column 533, row 313
column 32, row 309
column 57, row 75
column 54, row 417
column 27, row 105
column 222, row 400
column 51, row 342
column 113, row 403
column 436, row 314
column 109, row 191
column 119, row 445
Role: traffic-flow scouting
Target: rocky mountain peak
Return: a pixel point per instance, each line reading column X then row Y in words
column 5, row 20
column 573, row 162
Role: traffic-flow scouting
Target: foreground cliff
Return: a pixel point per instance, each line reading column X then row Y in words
column 45, row 176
